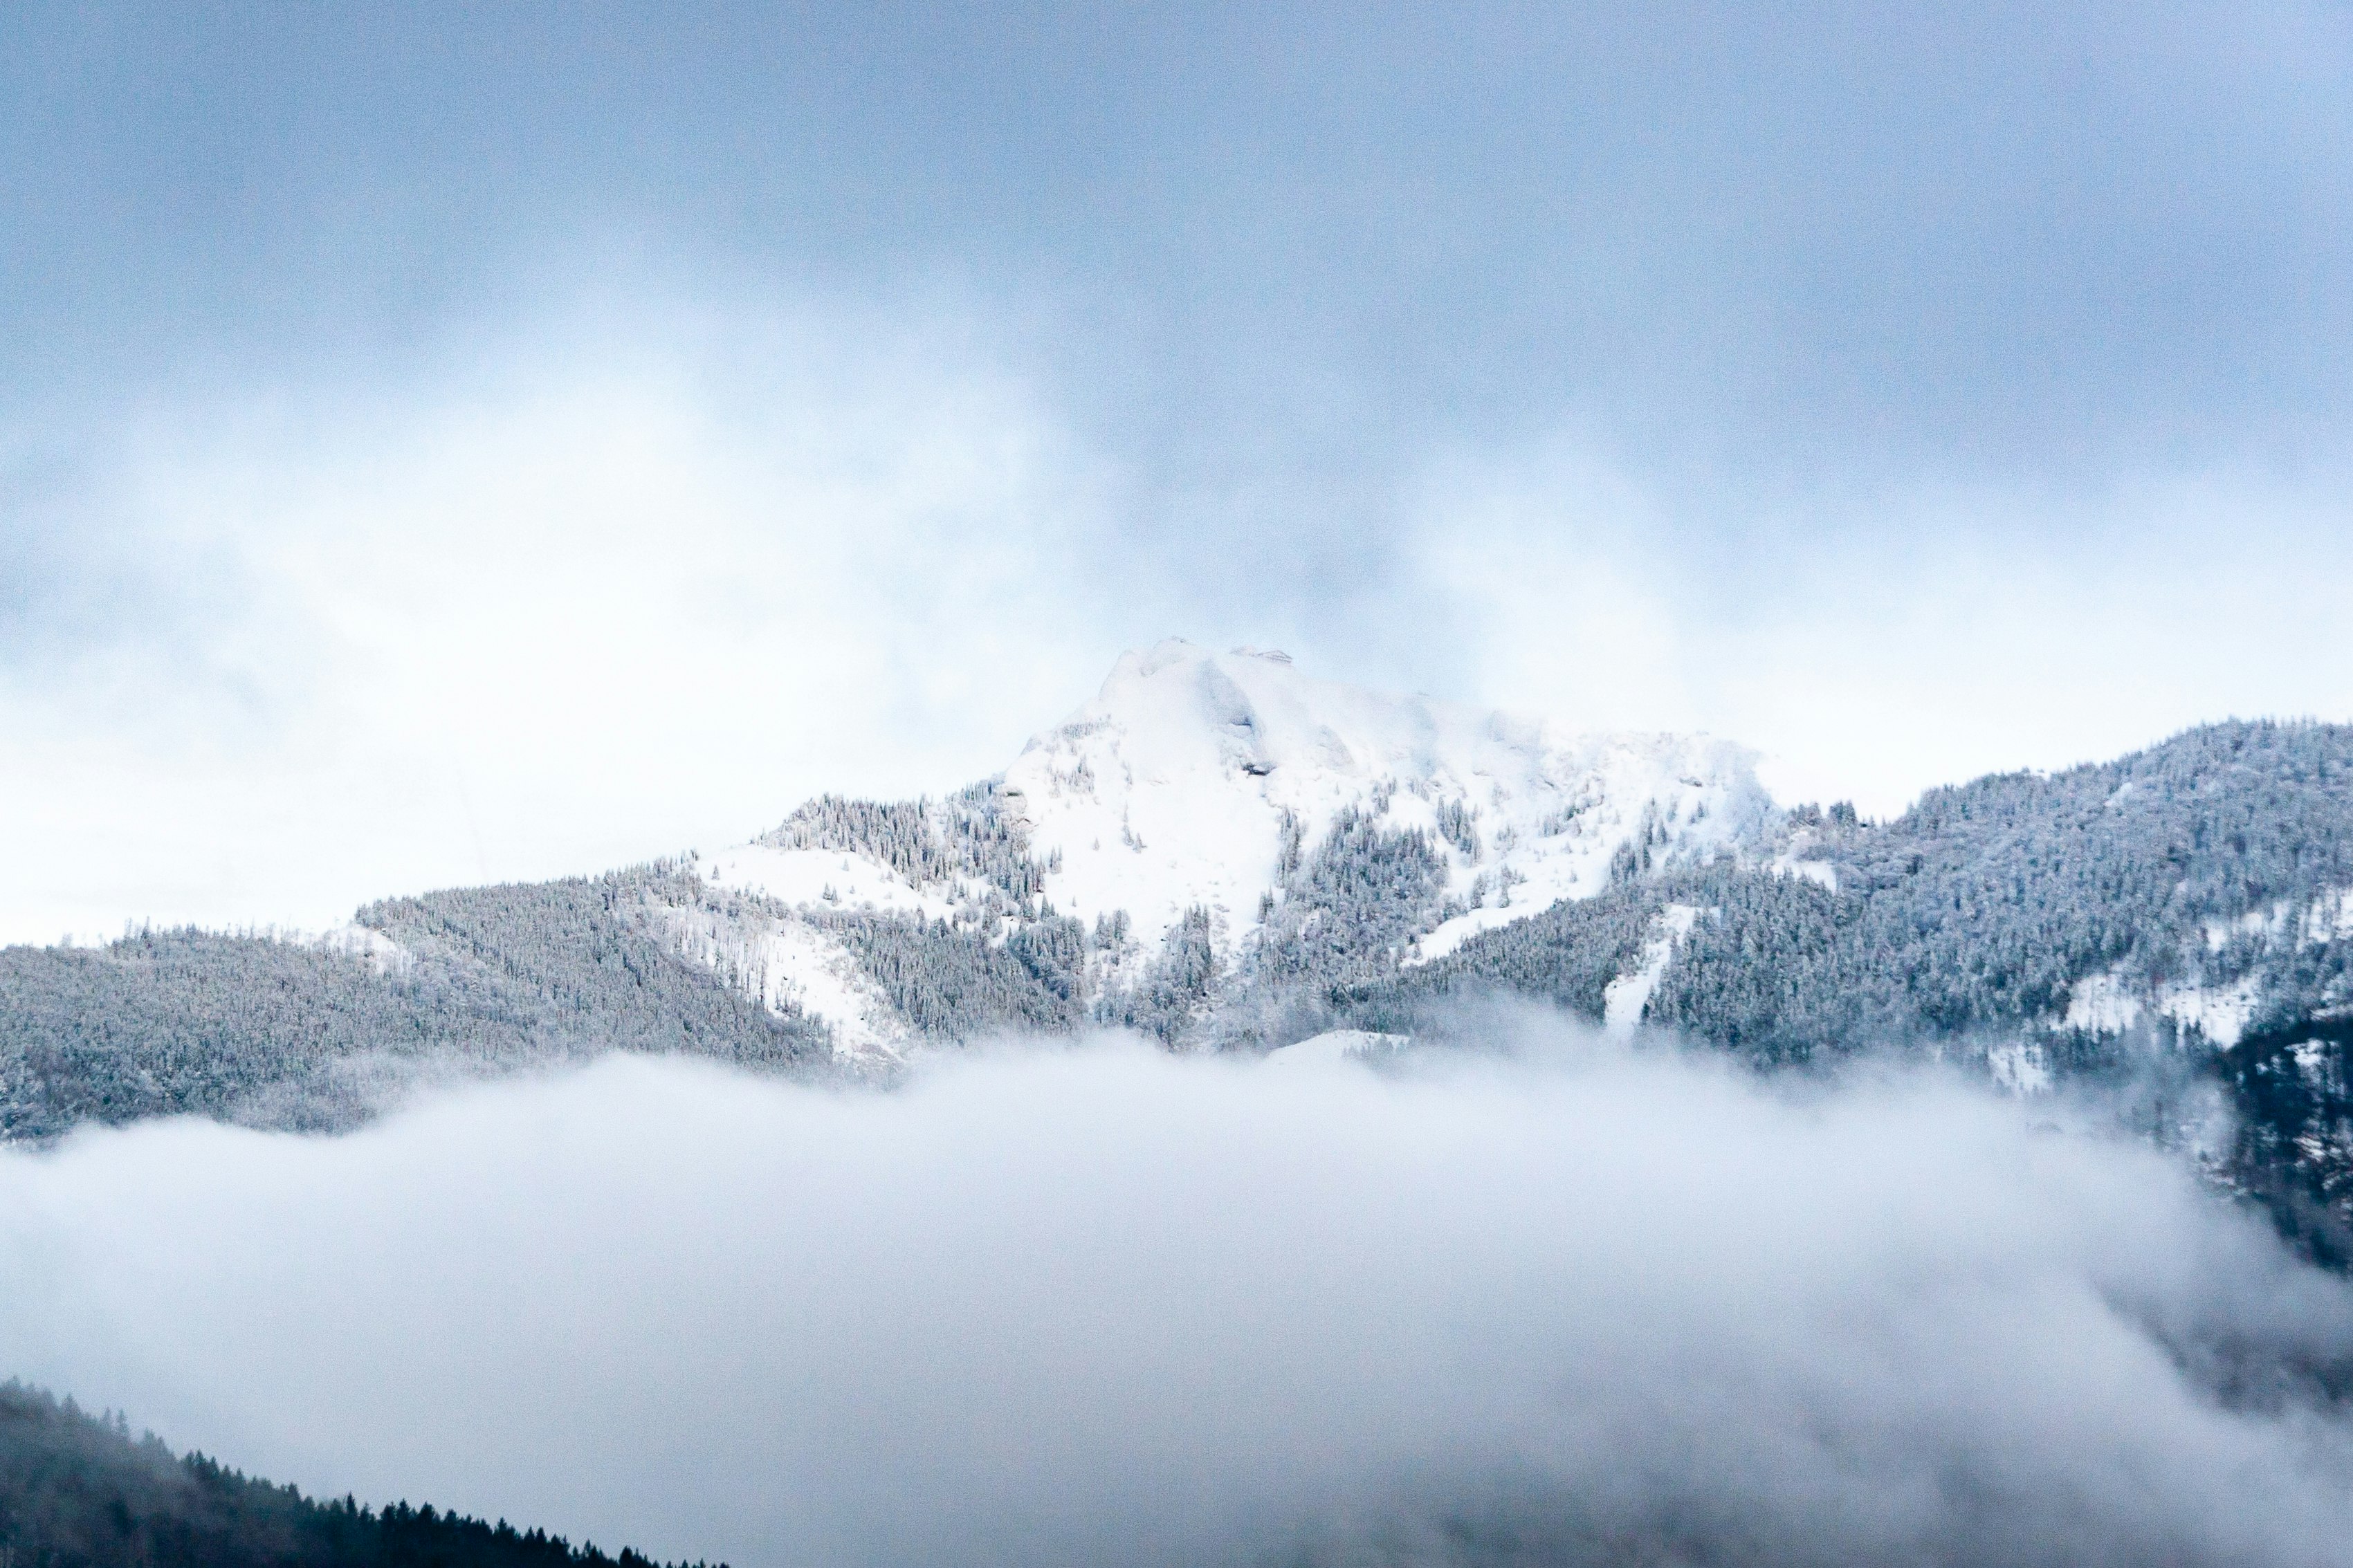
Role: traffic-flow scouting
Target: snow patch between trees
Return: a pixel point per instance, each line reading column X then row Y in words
column 1626, row 998
column 826, row 878
column 380, row 952
column 2219, row 1013
column 791, row 966
column 2019, row 1067
column 1335, row 1047
column 2104, row 1003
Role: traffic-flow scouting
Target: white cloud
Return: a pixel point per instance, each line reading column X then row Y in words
column 1105, row 1306
column 624, row 599
column 629, row 582
column 1874, row 644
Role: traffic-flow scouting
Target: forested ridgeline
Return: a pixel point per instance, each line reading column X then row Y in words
column 2199, row 889
column 2219, row 859
column 2203, row 883
column 78, row 1490
column 966, row 842
column 2212, row 868
column 309, row 1037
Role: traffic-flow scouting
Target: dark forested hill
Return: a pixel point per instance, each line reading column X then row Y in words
column 78, row 1491
column 303, row 1036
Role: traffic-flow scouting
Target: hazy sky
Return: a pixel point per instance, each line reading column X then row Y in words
column 441, row 442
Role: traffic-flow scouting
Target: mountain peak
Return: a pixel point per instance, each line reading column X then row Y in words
column 1192, row 780
column 1212, row 814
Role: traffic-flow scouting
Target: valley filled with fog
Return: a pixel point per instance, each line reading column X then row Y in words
column 1567, row 1297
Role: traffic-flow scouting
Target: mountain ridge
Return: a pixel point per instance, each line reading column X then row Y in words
column 1224, row 854
column 1196, row 785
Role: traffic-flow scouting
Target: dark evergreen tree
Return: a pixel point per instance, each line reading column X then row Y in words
column 78, row 1491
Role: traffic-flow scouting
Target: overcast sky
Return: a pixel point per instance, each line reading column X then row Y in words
column 444, row 442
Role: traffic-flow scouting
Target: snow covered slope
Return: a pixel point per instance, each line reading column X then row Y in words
column 1198, row 779
column 1187, row 802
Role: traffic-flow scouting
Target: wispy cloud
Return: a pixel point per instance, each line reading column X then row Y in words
column 637, row 579
column 1875, row 640
column 598, row 600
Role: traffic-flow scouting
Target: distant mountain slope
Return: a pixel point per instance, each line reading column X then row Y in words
column 76, row 1491
column 2183, row 914
column 1226, row 854
column 315, row 1036
column 2185, row 893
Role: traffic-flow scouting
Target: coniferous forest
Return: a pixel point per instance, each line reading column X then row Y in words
column 2218, row 865
column 78, row 1490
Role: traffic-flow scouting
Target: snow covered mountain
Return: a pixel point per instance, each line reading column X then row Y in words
column 1190, row 800
column 1223, row 853
column 1198, row 779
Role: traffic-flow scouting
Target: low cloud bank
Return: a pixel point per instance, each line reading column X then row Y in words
column 1102, row 1306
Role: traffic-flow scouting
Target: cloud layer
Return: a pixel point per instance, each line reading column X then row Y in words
column 1103, row 1306
column 611, row 593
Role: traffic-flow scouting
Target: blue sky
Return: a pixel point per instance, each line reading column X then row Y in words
column 438, row 441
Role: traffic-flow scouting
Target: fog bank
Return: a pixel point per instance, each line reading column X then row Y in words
column 1104, row 1306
